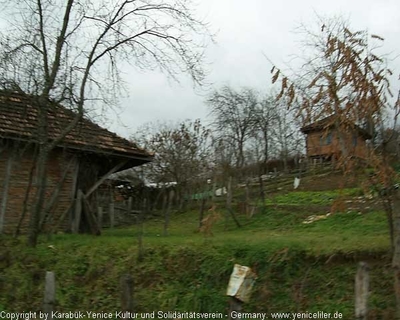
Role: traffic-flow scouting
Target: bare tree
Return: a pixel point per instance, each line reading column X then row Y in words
column 182, row 153
column 264, row 118
column 285, row 135
column 346, row 80
column 233, row 113
column 70, row 52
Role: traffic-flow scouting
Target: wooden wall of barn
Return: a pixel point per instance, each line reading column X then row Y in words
column 317, row 144
column 16, row 166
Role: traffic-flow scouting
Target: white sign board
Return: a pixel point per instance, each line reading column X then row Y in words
column 241, row 283
column 296, row 183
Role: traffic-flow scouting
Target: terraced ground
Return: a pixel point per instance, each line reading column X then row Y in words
column 305, row 258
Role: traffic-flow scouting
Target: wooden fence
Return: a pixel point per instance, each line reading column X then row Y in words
column 128, row 305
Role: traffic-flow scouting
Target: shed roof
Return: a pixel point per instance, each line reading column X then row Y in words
column 19, row 118
column 329, row 122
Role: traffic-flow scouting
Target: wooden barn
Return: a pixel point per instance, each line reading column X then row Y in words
column 76, row 167
column 322, row 140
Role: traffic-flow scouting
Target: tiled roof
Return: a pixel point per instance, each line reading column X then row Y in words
column 18, row 120
column 328, row 122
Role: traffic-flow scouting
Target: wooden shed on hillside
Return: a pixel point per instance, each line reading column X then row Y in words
column 322, row 140
column 76, row 167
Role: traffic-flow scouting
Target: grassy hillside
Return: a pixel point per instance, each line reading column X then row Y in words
column 300, row 266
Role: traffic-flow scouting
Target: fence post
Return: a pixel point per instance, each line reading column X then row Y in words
column 361, row 291
column 49, row 294
column 126, row 293
column 234, row 305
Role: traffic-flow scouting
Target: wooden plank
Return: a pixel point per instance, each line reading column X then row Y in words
column 126, row 293
column 361, row 291
column 6, row 186
column 49, row 295
column 90, row 218
column 55, row 194
column 78, row 211
column 73, row 192
column 26, row 195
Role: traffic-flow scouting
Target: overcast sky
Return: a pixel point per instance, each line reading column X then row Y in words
column 245, row 32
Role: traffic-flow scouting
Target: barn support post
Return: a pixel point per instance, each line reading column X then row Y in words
column 97, row 184
column 74, row 193
column 82, row 197
column 90, row 217
column 6, row 187
column 112, row 208
column 78, row 211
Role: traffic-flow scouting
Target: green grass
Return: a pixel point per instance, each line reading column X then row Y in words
column 300, row 267
column 313, row 197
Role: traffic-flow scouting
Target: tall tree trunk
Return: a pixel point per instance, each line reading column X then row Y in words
column 41, row 176
column 261, row 190
column 388, row 208
column 41, row 168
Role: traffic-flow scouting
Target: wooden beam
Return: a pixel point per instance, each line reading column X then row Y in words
column 73, row 192
column 49, row 295
column 362, row 291
column 6, row 186
column 90, row 218
column 78, row 211
column 55, row 194
column 112, row 208
column 104, row 178
column 126, row 285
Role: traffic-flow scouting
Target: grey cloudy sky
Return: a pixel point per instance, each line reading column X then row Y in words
column 245, row 31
